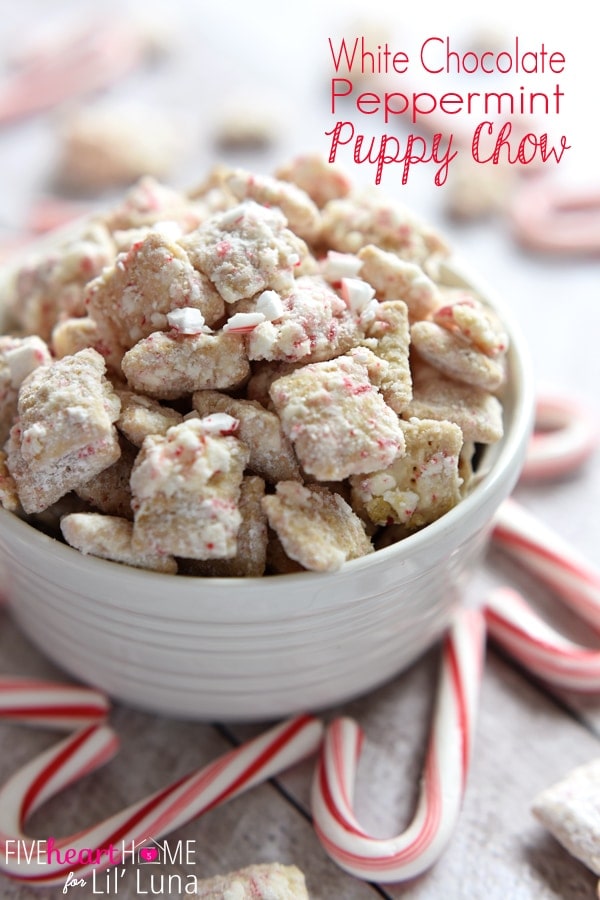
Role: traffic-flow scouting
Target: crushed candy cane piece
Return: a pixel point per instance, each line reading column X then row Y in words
column 188, row 320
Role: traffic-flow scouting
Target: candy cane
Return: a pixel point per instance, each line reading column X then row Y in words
column 514, row 625
column 444, row 776
column 56, row 705
column 153, row 817
column 557, row 219
column 554, row 561
column 565, row 436
column 72, row 66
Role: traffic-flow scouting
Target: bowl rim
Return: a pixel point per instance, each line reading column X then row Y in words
column 512, row 447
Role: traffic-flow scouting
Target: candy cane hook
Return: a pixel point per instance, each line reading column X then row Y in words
column 444, row 776
column 154, row 816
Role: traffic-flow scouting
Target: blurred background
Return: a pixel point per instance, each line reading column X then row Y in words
column 92, row 95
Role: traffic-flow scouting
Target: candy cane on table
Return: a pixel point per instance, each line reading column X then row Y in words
column 514, row 625
column 557, row 219
column 154, row 816
column 79, row 62
column 449, row 749
column 46, row 703
column 565, row 436
column 550, row 557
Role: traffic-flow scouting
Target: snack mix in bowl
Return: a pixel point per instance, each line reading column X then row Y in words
column 261, row 376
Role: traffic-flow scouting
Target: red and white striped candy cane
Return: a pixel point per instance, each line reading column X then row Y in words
column 445, row 772
column 75, row 64
column 52, row 704
column 514, row 625
column 565, row 436
column 551, row 558
column 153, row 817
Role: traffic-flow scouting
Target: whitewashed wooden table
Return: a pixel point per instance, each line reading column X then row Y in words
column 527, row 736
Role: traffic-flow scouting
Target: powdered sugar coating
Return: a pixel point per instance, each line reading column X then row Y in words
column 18, row 358
column 251, row 556
column 132, row 299
column 396, row 279
column 300, row 211
column 149, row 202
column 109, row 491
column 364, row 218
column 186, row 489
column 476, row 411
column 388, row 337
column 141, row 416
column 315, row 325
column 271, row 455
column 321, row 180
column 290, row 339
column 167, row 366
column 316, row 527
column 267, row 881
column 51, row 287
column 420, row 486
column 111, row 537
column 64, row 434
column 454, row 357
column 246, row 249
column 469, row 320
column 570, row 810
column 336, row 418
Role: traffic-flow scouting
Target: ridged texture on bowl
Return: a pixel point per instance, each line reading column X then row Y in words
column 267, row 647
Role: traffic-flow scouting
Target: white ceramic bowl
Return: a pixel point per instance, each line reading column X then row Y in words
column 260, row 648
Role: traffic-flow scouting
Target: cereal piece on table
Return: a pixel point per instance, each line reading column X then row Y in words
column 109, row 492
column 336, row 419
column 316, row 527
column 315, row 324
column 470, row 320
column 302, row 214
column 141, row 416
column 322, row 181
column 455, row 358
column 360, row 219
column 396, row 279
column 266, row 881
column 167, row 366
column 9, row 498
column 105, row 147
column 64, row 434
column 51, row 287
column 149, row 202
column 271, row 455
column 388, row 337
column 18, row 358
column 570, row 810
column 245, row 127
column 420, row 486
column 477, row 412
column 186, row 489
column 245, row 250
column 110, row 537
column 250, row 559
column 133, row 298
